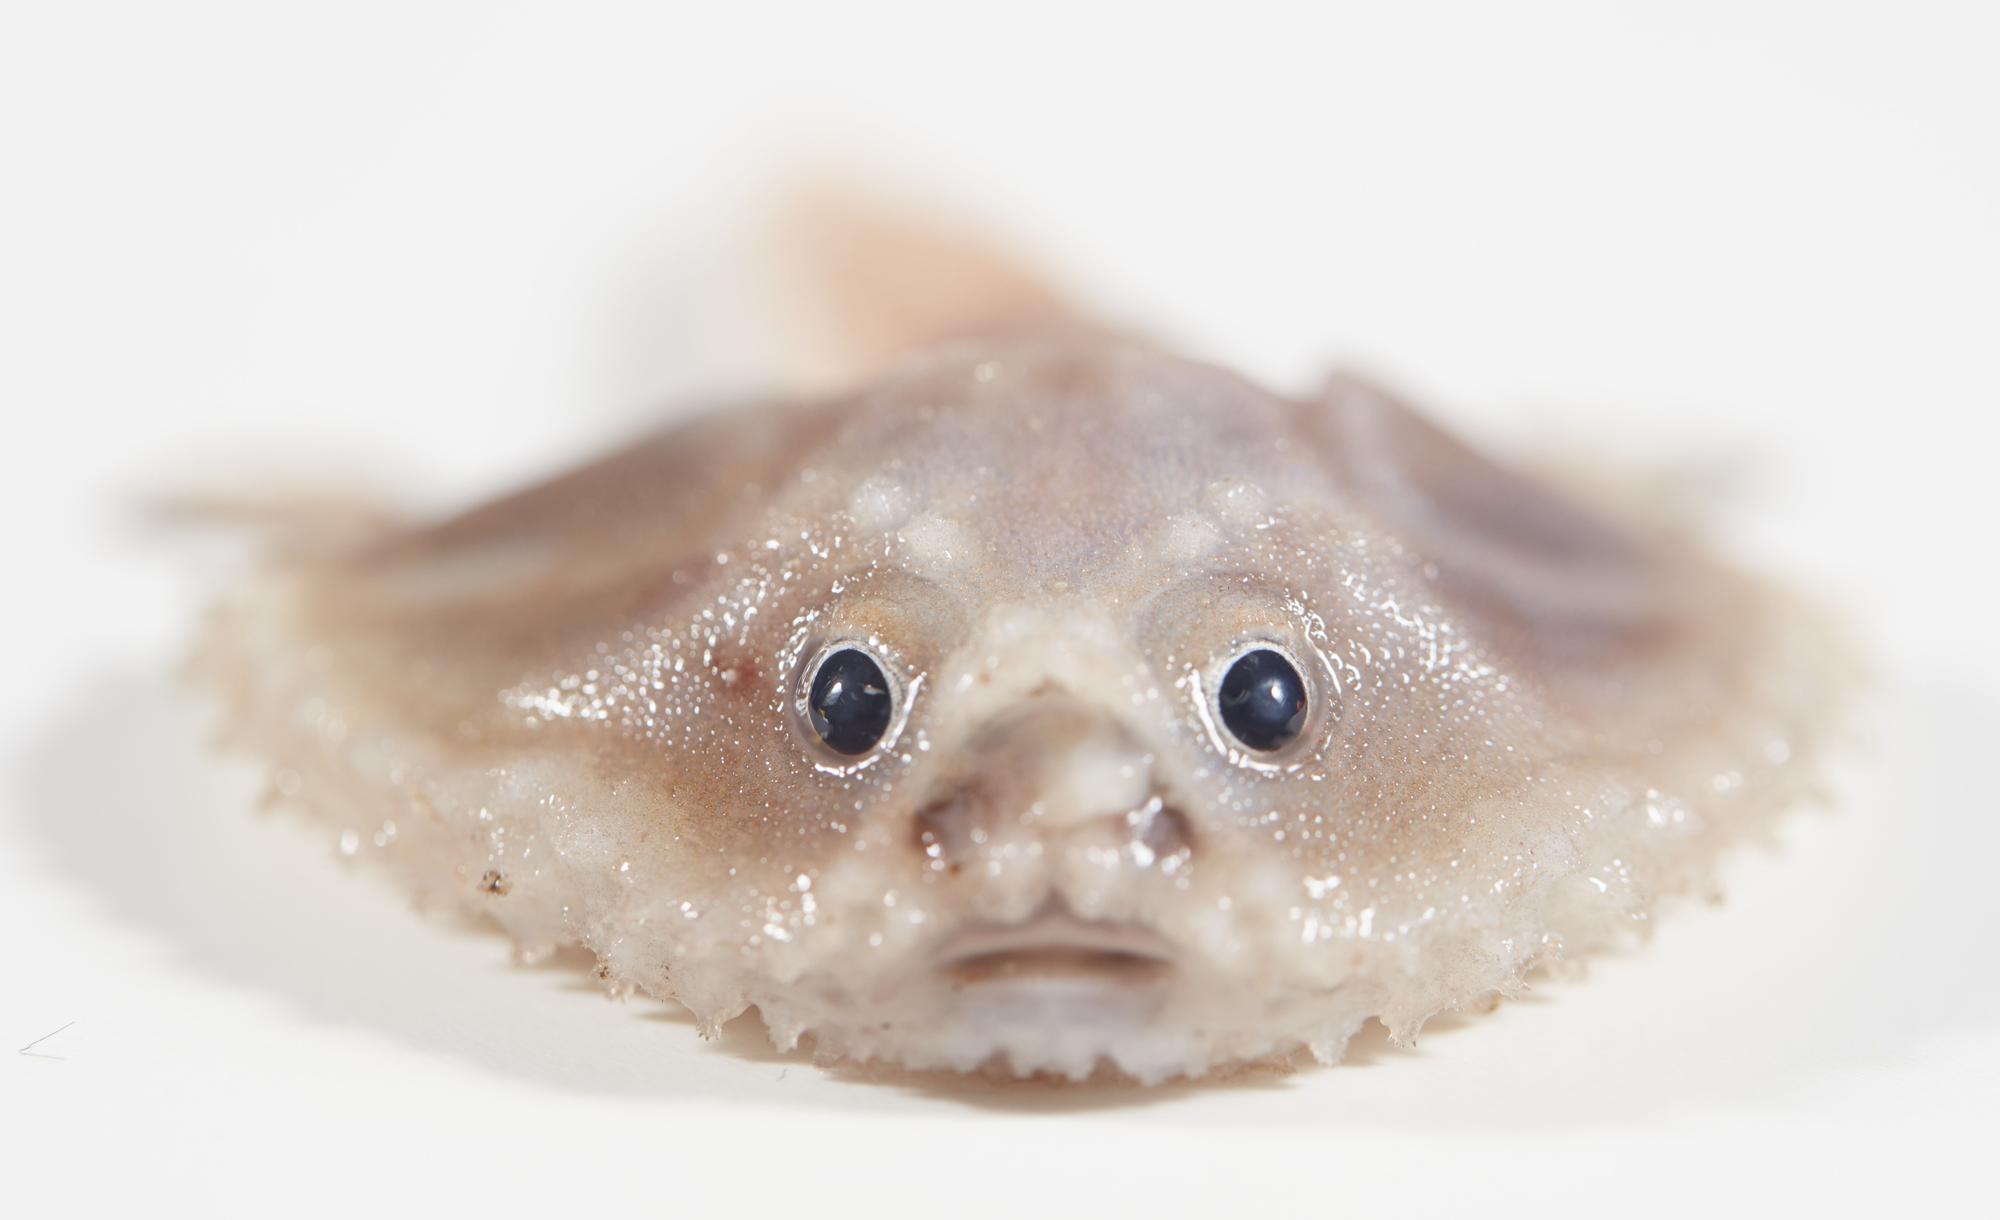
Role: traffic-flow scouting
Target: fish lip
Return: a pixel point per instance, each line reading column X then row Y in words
column 1055, row 944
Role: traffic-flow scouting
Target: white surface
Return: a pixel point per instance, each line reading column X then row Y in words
column 451, row 244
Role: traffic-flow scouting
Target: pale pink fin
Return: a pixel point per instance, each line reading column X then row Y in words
column 865, row 279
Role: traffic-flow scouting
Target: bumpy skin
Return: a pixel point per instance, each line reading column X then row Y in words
column 579, row 711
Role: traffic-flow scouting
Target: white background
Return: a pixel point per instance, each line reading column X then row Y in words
column 443, row 246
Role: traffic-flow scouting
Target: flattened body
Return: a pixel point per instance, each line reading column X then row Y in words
column 583, row 710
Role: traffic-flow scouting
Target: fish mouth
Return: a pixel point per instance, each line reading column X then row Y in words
column 1055, row 947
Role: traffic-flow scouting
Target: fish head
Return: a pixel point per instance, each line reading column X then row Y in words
column 1068, row 708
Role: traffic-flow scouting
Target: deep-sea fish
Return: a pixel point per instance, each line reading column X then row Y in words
column 1048, row 704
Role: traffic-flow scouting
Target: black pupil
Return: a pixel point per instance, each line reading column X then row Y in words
column 850, row 702
column 1263, row 700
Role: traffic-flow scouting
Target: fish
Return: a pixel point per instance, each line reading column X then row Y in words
column 1042, row 703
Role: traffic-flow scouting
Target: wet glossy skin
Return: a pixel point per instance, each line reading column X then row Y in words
column 585, row 711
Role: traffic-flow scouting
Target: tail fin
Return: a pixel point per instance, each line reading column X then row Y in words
column 866, row 279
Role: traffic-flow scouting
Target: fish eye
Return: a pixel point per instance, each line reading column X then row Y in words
column 849, row 701
column 1262, row 700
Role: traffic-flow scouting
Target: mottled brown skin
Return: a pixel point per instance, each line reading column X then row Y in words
column 1528, row 719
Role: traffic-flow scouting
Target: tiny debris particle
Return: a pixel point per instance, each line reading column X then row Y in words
column 495, row 882
column 30, row 1051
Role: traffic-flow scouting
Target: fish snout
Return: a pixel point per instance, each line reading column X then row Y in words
column 1051, row 773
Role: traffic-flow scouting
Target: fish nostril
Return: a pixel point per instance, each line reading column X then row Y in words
column 944, row 829
column 1162, row 830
